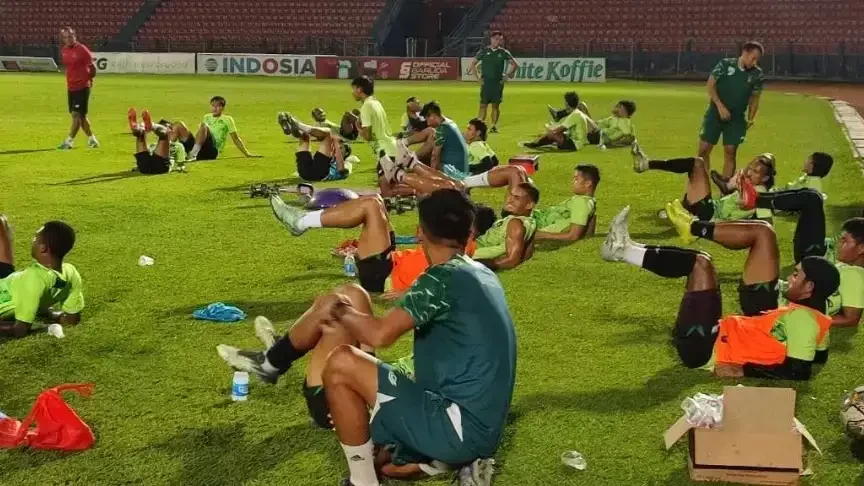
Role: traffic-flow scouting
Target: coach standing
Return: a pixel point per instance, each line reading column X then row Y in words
column 79, row 79
column 493, row 59
column 735, row 87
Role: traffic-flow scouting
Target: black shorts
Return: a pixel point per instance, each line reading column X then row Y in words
column 703, row 209
column 485, row 165
column 208, row 148
column 151, row 163
column 6, row 269
column 567, row 144
column 374, row 270
column 79, row 101
column 316, row 404
column 758, row 298
column 594, row 137
column 348, row 134
column 696, row 326
column 313, row 168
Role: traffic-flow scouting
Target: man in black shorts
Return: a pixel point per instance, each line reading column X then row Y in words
column 165, row 155
column 331, row 162
column 772, row 342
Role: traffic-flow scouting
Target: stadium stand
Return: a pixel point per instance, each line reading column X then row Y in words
column 38, row 22
column 227, row 24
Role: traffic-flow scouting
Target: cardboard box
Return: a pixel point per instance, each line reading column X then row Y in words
column 759, row 442
column 531, row 163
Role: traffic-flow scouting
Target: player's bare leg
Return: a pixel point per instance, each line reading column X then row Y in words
column 427, row 138
column 140, row 139
column 496, row 112
column 698, row 182
column 164, row 145
column 482, row 113
column 389, row 189
column 201, row 135
column 705, row 150
column 6, row 255
column 509, row 175
column 85, row 125
column 730, row 153
column 551, row 137
column 182, row 130
column 76, row 125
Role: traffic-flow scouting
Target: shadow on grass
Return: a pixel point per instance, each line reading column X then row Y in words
column 26, row 151
column 290, row 182
column 842, row 340
column 21, row 459
column 272, row 309
column 97, row 179
column 223, row 455
column 838, row 213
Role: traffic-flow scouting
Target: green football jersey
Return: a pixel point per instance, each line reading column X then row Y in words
column 373, row 116
column 220, row 127
column 26, row 293
column 735, row 86
column 479, row 150
column 576, row 128
column 615, row 128
column 493, row 243
column 454, row 150
column 493, row 62
column 557, row 219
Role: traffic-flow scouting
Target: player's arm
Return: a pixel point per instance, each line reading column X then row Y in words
column 847, row 317
column 712, row 91
column 753, row 107
column 472, row 69
column 16, row 329
column 64, row 318
column 514, row 65
column 514, row 248
column 240, row 145
column 88, row 56
column 373, row 331
column 435, row 161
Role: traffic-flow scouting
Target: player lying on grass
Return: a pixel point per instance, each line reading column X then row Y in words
column 163, row 156
column 816, row 168
column 332, row 160
column 781, row 343
column 443, row 146
column 45, row 284
column 697, row 192
column 455, row 407
column 571, row 102
column 209, row 140
column 412, row 121
column 571, row 133
column 347, row 129
column 481, row 157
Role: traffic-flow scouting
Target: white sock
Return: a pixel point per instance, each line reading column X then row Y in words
column 311, row 219
column 361, row 464
column 92, row 138
column 302, row 126
column 269, row 368
column 634, row 255
column 69, row 140
column 479, row 180
column 194, row 152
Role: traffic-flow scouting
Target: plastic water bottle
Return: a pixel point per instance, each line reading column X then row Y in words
column 574, row 459
column 240, row 386
column 350, row 266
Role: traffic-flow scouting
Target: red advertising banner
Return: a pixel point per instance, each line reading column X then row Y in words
column 403, row 68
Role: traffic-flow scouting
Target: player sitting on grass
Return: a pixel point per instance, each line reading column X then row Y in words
column 779, row 344
column 816, row 168
column 46, row 283
column 443, row 145
column 616, row 130
column 697, row 196
column 209, row 141
column 332, row 161
column 455, row 407
column 571, row 133
column 412, row 121
column 163, row 156
column 573, row 219
column 571, row 102
column 481, row 157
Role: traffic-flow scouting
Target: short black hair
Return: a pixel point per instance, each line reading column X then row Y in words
column 855, row 228
column 822, row 164
column 219, row 100
column 768, row 160
column 431, row 107
column 164, row 122
column 59, row 237
column 484, row 218
column 532, row 191
column 365, row 83
column 590, row 172
column 752, row 44
column 480, row 126
column 447, row 215
column 572, row 99
column 628, row 105
column 496, row 33
column 412, row 99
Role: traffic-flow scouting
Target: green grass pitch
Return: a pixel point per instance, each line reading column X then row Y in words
column 596, row 372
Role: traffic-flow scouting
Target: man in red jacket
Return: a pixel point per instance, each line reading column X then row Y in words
column 79, row 79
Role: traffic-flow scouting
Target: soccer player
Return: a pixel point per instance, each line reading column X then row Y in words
column 816, row 168
column 779, row 344
column 163, row 156
column 573, row 219
column 481, row 157
column 493, row 59
column 571, row 99
column 697, row 192
column 443, row 147
column 412, row 121
column 209, row 141
column 80, row 72
column 375, row 128
column 735, row 87
column 847, row 304
column 332, row 161
column 616, row 130
column 45, row 284
column 571, row 133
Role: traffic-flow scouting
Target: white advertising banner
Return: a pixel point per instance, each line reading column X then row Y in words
column 25, row 63
column 552, row 69
column 257, row 64
column 144, row 62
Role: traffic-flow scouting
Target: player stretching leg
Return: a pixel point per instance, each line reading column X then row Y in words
column 80, row 72
column 332, row 161
column 735, row 87
column 780, row 344
column 164, row 156
column 493, row 59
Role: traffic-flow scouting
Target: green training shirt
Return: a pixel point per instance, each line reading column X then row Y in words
column 727, row 208
column 26, row 293
column 465, row 345
column 454, row 150
column 479, row 150
column 576, row 128
column 557, row 219
column 493, row 243
column 220, row 127
column 176, row 151
column 851, row 290
column 735, row 86
column 493, row 62
column 373, row 116
column 615, row 128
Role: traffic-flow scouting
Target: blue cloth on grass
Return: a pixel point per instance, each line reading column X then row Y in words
column 220, row 312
